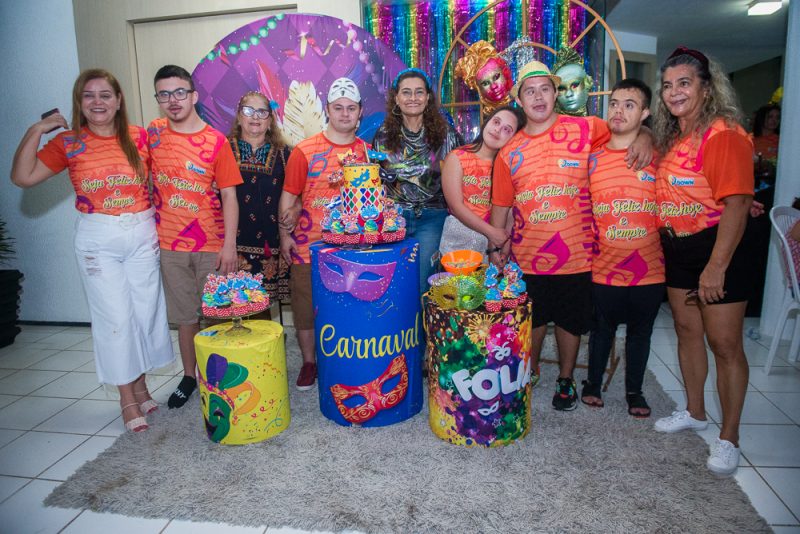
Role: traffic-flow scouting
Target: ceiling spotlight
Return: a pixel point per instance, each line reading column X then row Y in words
column 763, row 7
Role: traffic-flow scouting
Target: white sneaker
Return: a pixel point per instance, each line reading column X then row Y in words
column 680, row 420
column 724, row 457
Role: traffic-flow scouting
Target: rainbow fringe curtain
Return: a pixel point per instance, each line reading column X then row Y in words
column 421, row 32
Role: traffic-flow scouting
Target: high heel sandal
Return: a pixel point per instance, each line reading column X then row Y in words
column 137, row 424
column 148, row 406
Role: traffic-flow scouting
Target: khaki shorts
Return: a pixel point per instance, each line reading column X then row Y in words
column 302, row 307
column 184, row 275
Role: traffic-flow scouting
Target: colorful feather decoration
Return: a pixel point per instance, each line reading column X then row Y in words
column 303, row 115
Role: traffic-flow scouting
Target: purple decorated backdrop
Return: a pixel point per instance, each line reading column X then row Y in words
column 267, row 55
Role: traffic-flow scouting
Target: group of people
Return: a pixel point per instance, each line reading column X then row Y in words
column 600, row 231
column 154, row 205
column 599, row 226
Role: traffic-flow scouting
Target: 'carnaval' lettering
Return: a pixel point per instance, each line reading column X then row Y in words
column 362, row 348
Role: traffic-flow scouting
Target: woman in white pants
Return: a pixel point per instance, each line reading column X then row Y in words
column 116, row 242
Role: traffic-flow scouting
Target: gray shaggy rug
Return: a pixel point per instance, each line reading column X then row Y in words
column 591, row 470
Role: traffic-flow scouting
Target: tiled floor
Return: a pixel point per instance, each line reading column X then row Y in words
column 47, row 377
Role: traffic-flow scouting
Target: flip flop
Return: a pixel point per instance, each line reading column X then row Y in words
column 591, row 390
column 636, row 401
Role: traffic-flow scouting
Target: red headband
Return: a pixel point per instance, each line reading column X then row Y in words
column 683, row 51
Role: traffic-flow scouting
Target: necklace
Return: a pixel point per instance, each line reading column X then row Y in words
column 412, row 141
column 410, row 136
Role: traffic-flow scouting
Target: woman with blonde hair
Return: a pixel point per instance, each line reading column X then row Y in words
column 261, row 153
column 704, row 188
column 115, row 235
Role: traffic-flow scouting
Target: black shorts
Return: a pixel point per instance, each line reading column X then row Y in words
column 564, row 299
column 686, row 257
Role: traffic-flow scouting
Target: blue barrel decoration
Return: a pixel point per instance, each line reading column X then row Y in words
column 368, row 332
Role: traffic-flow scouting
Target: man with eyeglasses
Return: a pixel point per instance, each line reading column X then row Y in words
column 194, row 177
column 628, row 263
column 542, row 177
column 308, row 169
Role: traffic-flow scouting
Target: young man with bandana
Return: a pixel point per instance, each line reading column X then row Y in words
column 308, row 169
column 542, row 177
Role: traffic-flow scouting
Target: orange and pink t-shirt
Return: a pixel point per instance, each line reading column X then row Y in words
column 698, row 173
column 625, row 212
column 476, row 183
column 307, row 171
column 767, row 146
column 103, row 179
column 545, row 179
column 188, row 172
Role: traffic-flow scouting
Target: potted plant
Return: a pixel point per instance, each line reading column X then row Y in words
column 10, row 286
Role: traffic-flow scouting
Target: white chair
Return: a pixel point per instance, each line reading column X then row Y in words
column 783, row 219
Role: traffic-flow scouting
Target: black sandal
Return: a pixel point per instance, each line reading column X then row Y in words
column 591, row 390
column 636, row 401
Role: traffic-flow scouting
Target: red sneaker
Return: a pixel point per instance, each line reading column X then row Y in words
column 307, row 377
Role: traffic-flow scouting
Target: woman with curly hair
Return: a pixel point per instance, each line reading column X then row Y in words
column 704, row 187
column 261, row 153
column 416, row 138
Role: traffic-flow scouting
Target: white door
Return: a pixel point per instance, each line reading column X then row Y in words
column 183, row 42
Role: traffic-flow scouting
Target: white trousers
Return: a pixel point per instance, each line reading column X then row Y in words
column 118, row 258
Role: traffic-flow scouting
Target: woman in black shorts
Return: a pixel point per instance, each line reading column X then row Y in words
column 704, row 188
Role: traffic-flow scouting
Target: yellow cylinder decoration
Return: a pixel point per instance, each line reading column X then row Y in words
column 244, row 390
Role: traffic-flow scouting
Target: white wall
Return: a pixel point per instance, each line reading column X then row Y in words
column 629, row 42
column 788, row 183
column 39, row 65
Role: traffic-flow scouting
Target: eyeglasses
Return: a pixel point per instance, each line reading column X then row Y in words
column 180, row 94
column 259, row 113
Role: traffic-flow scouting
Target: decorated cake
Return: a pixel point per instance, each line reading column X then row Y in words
column 508, row 292
column 362, row 214
column 235, row 295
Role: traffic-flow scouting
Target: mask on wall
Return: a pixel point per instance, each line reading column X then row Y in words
column 484, row 71
column 573, row 91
